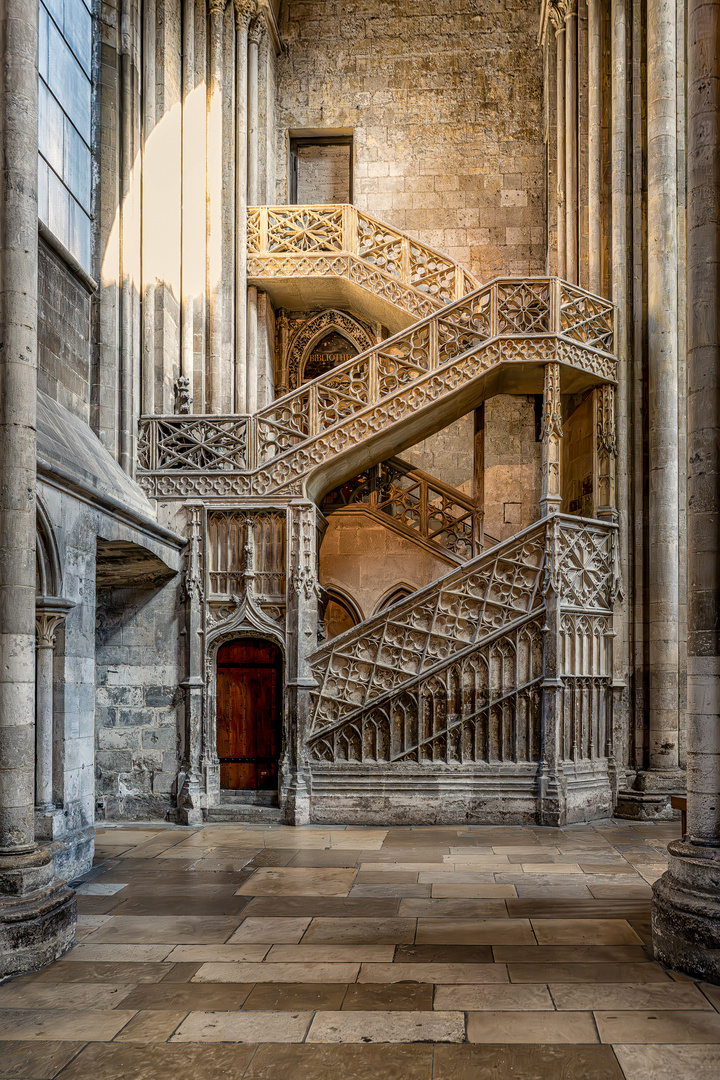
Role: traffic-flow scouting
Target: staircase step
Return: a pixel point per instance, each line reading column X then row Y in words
column 252, row 812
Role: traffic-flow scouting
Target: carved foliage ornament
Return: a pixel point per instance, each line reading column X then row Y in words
column 304, row 338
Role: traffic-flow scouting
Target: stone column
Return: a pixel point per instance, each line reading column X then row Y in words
column 557, row 19
column 686, row 901
column 243, row 13
column 550, row 495
column 49, row 615
column 190, row 785
column 37, row 915
column 594, row 127
column 571, row 148
column 257, row 29
column 663, row 517
column 216, row 391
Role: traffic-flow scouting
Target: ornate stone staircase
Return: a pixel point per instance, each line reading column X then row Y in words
column 487, row 693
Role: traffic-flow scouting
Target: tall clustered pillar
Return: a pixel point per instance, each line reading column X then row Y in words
column 216, row 390
column 255, row 34
column 556, row 15
column 571, row 146
column 243, row 13
column 37, row 915
column 550, row 493
column 663, row 520
column 686, row 901
column 594, row 137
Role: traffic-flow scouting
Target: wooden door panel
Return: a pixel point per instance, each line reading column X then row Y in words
column 248, row 714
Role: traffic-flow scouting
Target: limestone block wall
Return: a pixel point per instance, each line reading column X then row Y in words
column 445, row 105
column 512, row 464
column 139, row 665
column 367, row 560
column 63, row 334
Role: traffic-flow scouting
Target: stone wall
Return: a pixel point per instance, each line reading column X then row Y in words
column 444, row 102
column 367, row 560
column 63, row 334
column 137, row 700
column 577, row 461
column 512, row 464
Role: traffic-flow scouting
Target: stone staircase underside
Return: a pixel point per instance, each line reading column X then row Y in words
column 496, row 339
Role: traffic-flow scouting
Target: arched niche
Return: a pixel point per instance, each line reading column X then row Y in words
column 341, row 613
column 316, row 330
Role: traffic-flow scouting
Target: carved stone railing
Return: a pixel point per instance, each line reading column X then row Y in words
column 340, row 241
column 429, row 369
column 418, row 504
column 454, row 672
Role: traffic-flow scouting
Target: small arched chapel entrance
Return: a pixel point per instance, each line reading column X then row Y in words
column 249, row 714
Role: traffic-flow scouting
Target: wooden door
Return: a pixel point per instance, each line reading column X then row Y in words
column 249, row 696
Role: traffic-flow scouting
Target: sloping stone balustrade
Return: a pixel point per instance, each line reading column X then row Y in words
column 402, row 389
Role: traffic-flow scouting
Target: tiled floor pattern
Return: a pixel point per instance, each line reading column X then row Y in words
column 438, row 953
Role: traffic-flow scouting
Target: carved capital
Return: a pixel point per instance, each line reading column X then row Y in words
column 216, row 7
column 244, row 10
column 257, row 29
column 50, row 612
column 556, row 13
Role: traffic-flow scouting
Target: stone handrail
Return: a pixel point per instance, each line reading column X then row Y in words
column 291, row 241
column 508, row 321
column 418, row 503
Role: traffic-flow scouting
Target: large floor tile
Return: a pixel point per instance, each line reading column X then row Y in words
column 76, row 1025
column 270, row 930
column 571, row 954
column 658, row 1026
column 130, row 1061
column 670, row 995
column 584, row 932
column 158, row 929
column 453, row 908
column 293, row 973
column 387, row 1027
column 389, row 996
column 298, row 881
column 472, row 891
column 35, row 1060
column 324, row 906
column 588, row 973
column 474, row 932
column 188, row 996
column 76, row 995
column 663, row 1062
column 443, row 954
column 203, row 954
column 433, row 973
column 352, row 1061
column 473, row 998
column 155, row 1025
column 354, row 931
column 135, row 954
column 538, row 1062
column 531, row 1027
column 331, row 954
column 296, row 996
column 243, row 1027
column 87, row 971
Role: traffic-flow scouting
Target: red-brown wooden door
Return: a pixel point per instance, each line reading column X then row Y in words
column 249, row 695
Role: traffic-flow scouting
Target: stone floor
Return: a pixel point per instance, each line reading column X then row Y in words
column 354, row 953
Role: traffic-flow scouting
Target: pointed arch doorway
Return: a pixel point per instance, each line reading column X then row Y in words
column 249, row 714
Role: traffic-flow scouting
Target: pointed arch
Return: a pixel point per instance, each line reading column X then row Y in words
column 47, row 557
column 321, row 324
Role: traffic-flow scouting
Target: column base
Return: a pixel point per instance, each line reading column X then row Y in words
column 649, row 797
column 686, row 911
column 37, row 913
